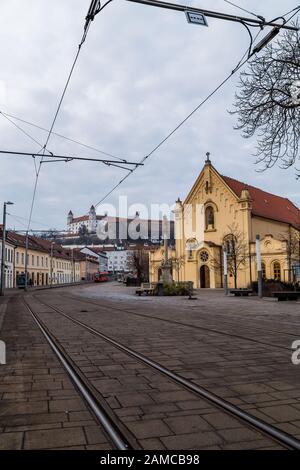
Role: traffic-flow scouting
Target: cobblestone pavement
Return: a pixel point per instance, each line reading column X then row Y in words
column 39, row 407
column 240, row 349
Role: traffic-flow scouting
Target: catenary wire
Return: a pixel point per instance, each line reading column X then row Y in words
column 239, row 65
column 245, row 10
column 62, row 136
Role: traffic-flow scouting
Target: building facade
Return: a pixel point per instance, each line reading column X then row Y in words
column 221, row 213
column 8, row 262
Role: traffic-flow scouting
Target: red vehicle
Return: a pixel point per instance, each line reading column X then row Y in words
column 101, row 277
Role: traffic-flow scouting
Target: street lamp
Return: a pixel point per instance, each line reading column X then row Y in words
column 2, row 279
column 51, row 264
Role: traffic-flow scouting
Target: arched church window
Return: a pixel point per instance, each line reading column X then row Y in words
column 277, row 271
column 209, row 217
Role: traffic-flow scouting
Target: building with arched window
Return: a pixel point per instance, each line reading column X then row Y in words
column 223, row 213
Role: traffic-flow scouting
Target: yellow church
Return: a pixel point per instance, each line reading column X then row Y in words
column 223, row 214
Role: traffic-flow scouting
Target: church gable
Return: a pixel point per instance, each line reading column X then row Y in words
column 211, row 188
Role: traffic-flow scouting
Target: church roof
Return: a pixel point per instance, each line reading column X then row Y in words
column 267, row 205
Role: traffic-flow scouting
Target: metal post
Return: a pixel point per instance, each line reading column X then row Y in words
column 2, row 285
column 2, row 280
column 225, row 272
column 51, row 265
column 26, row 262
column 259, row 271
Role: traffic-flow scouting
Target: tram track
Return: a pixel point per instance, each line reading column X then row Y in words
column 246, row 418
column 195, row 327
column 85, row 389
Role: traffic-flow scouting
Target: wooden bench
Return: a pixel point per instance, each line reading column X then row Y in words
column 146, row 288
column 241, row 292
column 286, row 295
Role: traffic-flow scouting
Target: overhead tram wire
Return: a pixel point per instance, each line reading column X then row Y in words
column 240, row 64
column 90, row 147
column 246, row 11
column 22, row 130
column 95, row 8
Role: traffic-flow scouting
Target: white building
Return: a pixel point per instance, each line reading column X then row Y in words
column 89, row 221
column 101, row 255
column 9, row 264
column 119, row 261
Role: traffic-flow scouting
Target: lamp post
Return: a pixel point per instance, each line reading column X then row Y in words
column 259, row 271
column 51, row 264
column 225, row 272
column 2, row 280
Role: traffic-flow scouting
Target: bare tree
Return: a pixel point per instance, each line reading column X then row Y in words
column 139, row 264
column 268, row 102
column 292, row 242
column 177, row 264
column 237, row 252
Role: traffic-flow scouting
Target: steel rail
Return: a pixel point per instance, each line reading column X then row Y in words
column 109, row 426
column 195, row 327
column 269, row 430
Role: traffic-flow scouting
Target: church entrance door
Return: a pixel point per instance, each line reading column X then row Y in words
column 204, row 277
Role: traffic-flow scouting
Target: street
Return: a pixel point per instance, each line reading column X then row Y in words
column 237, row 348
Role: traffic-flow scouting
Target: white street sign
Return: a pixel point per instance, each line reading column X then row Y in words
column 196, row 18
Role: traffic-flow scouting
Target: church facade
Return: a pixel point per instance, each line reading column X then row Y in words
column 223, row 214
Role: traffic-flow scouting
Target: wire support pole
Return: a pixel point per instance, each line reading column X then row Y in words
column 214, row 14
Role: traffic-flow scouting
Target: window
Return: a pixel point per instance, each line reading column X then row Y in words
column 209, row 218
column 263, row 270
column 23, row 258
column 17, row 258
column 277, row 271
column 37, row 260
column 229, row 245
column 32, row 260
column 204, row 256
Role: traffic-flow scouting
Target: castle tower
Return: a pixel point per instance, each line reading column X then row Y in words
column 92, row 224
column 70, row 218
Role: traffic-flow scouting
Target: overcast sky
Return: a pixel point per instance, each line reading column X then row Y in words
column 140, row 72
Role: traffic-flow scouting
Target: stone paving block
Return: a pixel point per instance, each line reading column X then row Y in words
column 78, row 415
column 134, row 399
column 33, row 427
column 173, row 397
column 192, row 441
column 31, row 395
column 282, row 413
column 13, row 409
column 94, row 435
column 144, row 429
column 187, row 424
column 39, row 418
column 152, row 444
column 47, row 439
column 240, row 434
column 222, row 421
column 47, row 385
column 99, row 447
column 67, row 405
column 11, row 441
